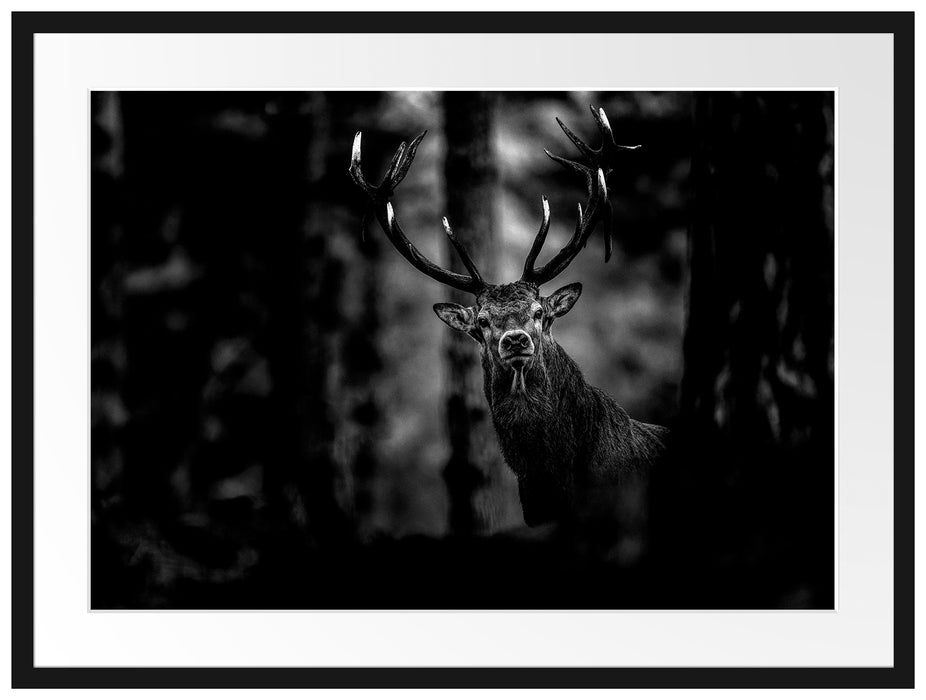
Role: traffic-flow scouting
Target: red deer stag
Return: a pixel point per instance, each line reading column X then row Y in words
column 567, row 441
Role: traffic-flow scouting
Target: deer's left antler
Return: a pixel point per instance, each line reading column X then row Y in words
column 597, row 166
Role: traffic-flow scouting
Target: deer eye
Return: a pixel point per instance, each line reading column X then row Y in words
column 538, row 314
column 483, row 322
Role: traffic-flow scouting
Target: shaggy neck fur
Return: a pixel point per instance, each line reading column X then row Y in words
column 563, row 438
column 537, row 417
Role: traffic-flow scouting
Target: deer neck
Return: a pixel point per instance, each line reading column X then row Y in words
column 528, row 411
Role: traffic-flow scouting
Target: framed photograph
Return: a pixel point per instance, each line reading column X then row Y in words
column 400, row 350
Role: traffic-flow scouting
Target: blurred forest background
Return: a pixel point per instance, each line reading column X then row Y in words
column 280, row 420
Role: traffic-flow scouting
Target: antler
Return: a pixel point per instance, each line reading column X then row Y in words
column 598, row 166
column 382, row 208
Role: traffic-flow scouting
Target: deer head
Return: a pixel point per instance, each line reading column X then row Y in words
column 510, row 321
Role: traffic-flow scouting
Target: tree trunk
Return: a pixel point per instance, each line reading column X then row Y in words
column 480, row 487
column 759, row 347
column 304, row 318
column 754, row 474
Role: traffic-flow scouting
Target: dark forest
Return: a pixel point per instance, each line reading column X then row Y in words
column 279, row 420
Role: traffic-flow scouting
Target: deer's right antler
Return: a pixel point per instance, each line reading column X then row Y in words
column 598, row 166
column 382, row 208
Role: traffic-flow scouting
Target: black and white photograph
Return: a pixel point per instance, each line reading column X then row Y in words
column 462, row 350
column 477, row 349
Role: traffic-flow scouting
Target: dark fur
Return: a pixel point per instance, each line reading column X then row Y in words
column 566, row 441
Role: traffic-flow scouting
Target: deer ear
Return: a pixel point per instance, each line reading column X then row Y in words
column 460, row 318
column 560, row 301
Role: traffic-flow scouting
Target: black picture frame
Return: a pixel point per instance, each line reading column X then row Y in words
column 26, row 25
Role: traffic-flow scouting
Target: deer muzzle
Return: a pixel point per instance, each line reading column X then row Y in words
column 516, row 348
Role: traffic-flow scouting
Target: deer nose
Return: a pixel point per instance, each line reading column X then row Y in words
column 516, row 343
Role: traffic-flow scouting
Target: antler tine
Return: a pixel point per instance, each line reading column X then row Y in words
column 608, row 146
column 561, row 260
column 583, row 147
column 462, row 252
column 606, row 213
column 599, row 164
column 406, row 163
column 355, row 170
column 393, row 169
column 538, row 240
column 382, row 208
column 585, row 220
column 408, row 251
column 572, row 165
